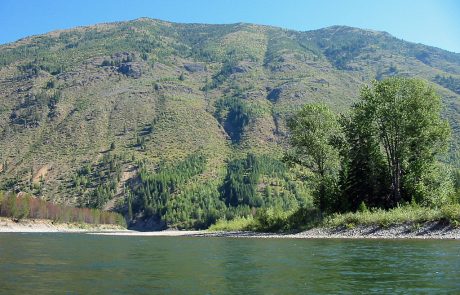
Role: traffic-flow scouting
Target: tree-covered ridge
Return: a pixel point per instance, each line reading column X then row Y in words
column 234, row 115
column 97, row 184
column 151, row 93
column 155, row 190
column 173, row 196
column 241, row 184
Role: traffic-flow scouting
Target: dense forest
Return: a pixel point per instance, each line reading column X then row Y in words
column 245, row 188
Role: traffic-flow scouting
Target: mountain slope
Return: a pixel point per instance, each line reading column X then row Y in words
column 89, row 104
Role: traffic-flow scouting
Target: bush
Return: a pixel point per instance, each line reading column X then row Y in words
column 362, row 207
column 399, row 215
column 276, row 219
column 237, row 224
column 272, row 219
column 451, row 214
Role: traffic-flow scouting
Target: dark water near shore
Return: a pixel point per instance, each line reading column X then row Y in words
column 89, row 264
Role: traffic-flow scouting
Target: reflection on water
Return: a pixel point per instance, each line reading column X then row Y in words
column 82, row 264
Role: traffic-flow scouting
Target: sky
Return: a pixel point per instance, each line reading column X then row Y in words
column 431, row 22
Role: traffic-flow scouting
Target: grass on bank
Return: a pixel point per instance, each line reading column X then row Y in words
column 237, row 224
column 275, row 220
column 449, row 214
column 271, row 220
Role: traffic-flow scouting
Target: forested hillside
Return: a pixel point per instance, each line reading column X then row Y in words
column 187, row 123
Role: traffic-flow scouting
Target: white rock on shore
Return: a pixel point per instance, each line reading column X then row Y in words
column 429, row 230
column 45, row 226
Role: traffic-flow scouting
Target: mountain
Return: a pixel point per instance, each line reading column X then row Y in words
column 90, row 115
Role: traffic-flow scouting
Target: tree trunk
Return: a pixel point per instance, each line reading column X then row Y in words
column 396, row 182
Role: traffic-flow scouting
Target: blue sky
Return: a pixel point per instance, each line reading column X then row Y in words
column 431, row 22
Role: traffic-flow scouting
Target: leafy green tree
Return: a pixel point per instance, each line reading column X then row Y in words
column 363, row 178
column 315, row 135
column 456, row 176
column 405, row 116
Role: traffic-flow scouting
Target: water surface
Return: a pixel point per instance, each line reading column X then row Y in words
column 89, row 264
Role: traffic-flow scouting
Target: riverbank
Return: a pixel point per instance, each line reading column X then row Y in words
column 429, row 230
column 45, row 226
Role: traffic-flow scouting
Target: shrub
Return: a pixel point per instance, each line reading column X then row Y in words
column 451, row 214
column 236, row 224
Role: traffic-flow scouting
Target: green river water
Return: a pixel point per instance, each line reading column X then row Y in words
column 91, row 264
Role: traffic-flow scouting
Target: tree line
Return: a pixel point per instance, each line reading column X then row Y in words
column 26, row 206
column 383, row 153
column 155, row 189
column 178, row 195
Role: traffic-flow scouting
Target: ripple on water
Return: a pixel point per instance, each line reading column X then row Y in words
column 80, row 264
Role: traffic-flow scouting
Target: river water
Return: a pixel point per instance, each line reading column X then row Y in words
column 90, row 264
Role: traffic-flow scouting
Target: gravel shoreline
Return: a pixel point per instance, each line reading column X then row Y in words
column 429, row 230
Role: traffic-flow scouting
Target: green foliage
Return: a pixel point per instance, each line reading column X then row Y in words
column 343, row 46
column 362, row 207
column 363, row 177
column 236, row 224
column 241, row 181
column 451, row 214
column 234, row 115
column 456, row 182
column 241, row 184
column 390, row 146
column 398, row 215
column 272, row 219
column 156, row 189
column 35, row 108
column 449, row 82
column 276, row 219
column 175, row 195
column 315, row 137
column 97, row 185
column 228, row 68
column 404, row 116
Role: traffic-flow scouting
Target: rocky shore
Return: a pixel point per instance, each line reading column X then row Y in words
column 430, row 230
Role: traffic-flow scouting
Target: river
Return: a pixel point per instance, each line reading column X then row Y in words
column 54, row 263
